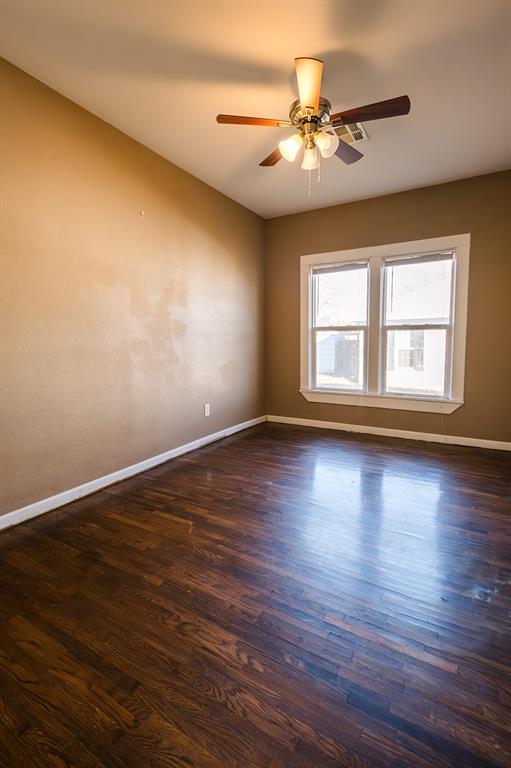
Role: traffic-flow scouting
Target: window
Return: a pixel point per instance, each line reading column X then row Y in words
column 385, row 326
column 339, row 326
column 417, row 324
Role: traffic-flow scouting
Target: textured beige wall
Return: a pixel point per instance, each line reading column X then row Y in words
column 115, row 329
column 481, row 206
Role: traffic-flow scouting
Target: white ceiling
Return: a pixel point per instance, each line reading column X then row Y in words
column 148, row 66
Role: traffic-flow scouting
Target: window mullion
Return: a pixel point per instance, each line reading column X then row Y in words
column 374, row 329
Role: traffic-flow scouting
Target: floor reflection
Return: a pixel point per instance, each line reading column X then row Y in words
column 377, row 520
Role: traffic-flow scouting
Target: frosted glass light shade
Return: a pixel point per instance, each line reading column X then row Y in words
column 327, row 143
column 289, row 148
column 310, row 159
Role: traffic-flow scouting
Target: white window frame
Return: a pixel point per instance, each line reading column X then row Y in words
column 376, row 257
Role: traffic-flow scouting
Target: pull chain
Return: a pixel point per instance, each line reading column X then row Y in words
column 309, row 183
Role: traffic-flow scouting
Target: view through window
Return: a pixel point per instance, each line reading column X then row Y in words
column 340, row 326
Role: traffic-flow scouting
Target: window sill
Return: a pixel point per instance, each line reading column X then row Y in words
column 392, row 402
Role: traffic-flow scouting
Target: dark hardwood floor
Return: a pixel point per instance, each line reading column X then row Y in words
column 285, row 598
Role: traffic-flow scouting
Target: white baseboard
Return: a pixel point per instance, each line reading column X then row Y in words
column 403, row 433
column 65, row 497
column 45, row 505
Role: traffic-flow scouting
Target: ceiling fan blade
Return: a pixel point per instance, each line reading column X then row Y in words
column 377, row 111
column 240, row 120
column 308, row 75
column 347, row 153
column 272, row 158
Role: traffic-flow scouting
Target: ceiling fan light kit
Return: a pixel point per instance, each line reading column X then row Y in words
column 315, row 126
column 289, row 148
column 327, row 143
column 310, row 160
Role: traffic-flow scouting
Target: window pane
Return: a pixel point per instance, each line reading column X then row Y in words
column 341, row 297
column 418, row 292
column 416, row 362
column 340, row 359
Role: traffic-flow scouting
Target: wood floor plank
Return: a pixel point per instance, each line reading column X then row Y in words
column 284, row 598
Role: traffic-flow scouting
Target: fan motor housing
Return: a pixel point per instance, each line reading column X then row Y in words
column 298, row 116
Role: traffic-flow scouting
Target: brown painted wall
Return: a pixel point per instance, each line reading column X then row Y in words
column 481, row 206
column 115, row 329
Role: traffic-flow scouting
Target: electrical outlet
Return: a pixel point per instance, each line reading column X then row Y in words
column 207, row 409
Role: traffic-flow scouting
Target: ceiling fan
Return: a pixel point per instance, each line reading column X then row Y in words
column 311, row 116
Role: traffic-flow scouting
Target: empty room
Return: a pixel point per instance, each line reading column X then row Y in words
column 255, row 384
